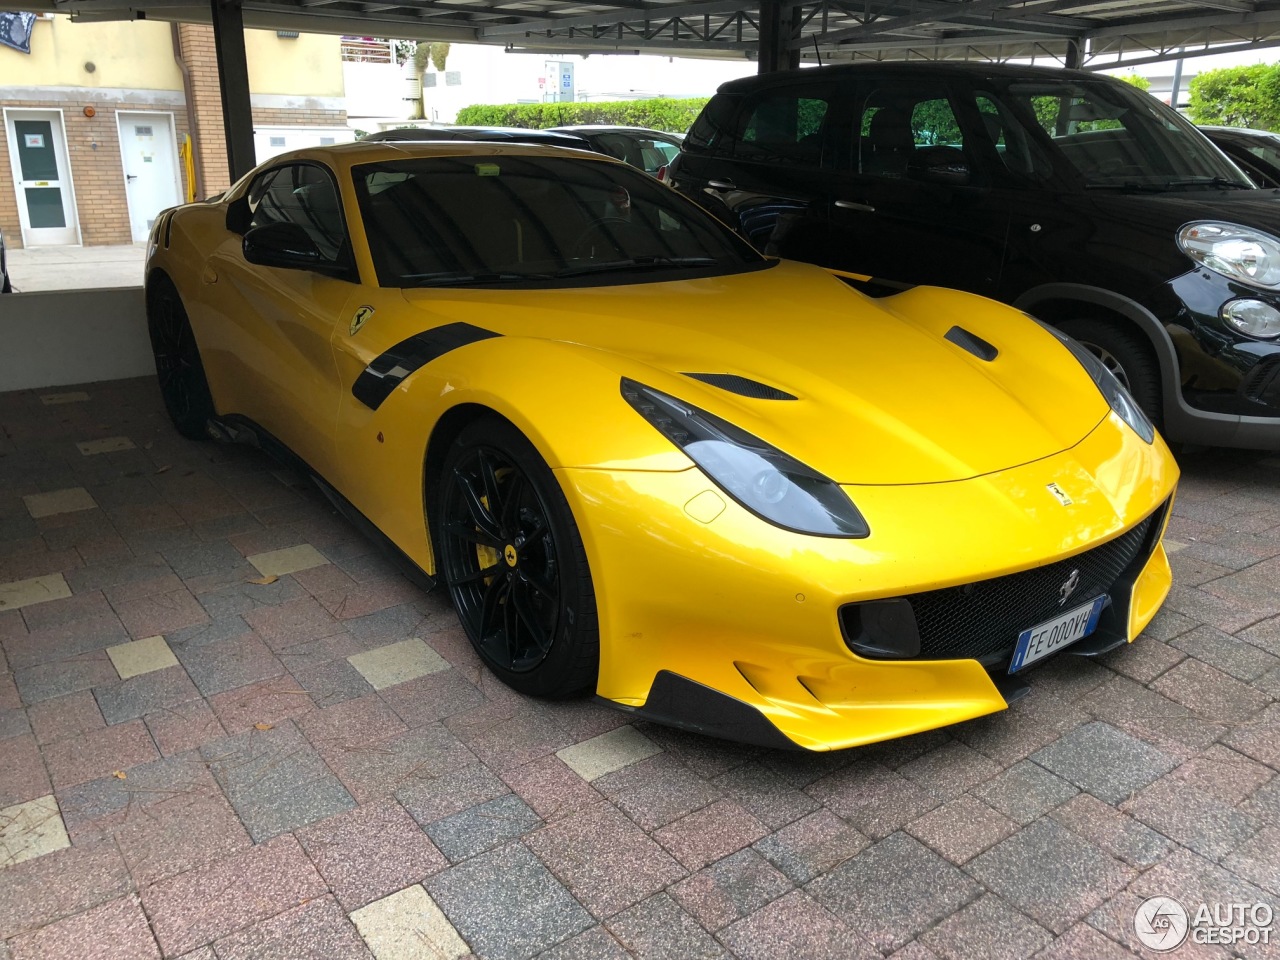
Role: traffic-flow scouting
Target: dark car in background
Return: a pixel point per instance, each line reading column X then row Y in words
column 1075, row 197
column 650, row 150
column 484, row 135
column 1256, row 152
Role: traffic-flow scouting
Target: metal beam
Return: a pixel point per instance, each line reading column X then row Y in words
column 233, row 81
column 933, row 14
column 608, row 19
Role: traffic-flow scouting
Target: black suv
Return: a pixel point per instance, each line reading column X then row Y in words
column 1075, row 197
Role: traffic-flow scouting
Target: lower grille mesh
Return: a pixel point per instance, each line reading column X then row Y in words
column 982, row 618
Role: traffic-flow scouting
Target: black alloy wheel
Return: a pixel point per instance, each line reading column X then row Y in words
column 512, row 559
column 178, row 365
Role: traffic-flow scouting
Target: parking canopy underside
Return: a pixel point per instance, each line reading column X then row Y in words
column 1075, row 32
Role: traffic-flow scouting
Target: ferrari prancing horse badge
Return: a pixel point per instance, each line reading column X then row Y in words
column 363, row 314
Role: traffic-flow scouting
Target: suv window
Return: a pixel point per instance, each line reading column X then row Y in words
column 897, row 126
column 1018, row 152
column 783, row 126
column 303, row 194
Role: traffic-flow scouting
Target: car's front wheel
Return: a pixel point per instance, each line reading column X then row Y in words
column 1126, row 355
column 512, row 559
column 183, row 385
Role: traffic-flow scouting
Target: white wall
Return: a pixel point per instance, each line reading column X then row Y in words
column 58, row 337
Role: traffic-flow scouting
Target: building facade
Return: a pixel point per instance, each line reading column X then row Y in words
column 98, row 117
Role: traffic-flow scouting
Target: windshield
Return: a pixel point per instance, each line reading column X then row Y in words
column 529, row 221
column 1112, row 135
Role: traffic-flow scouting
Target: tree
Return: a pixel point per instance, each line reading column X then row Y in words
column 1137, row 80
column 1237, row 97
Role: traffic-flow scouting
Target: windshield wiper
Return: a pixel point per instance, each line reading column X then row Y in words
column 635, row 263
column 1160, row 186
column 466, row 279
column 1210, row 182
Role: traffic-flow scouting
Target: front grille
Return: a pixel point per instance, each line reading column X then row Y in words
column 983, row 618
column 1262, row 385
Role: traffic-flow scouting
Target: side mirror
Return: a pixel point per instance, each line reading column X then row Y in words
column 282, row 245
column 939, row 165
column 239, row 215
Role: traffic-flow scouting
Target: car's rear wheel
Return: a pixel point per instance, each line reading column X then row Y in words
column 179, row 368
column 1126, row 354
column 512, row 559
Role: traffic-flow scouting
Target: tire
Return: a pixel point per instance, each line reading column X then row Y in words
column 179, row 369
column 517, row 574
column 1127, row 354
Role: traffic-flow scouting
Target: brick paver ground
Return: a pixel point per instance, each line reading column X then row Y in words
column 229, row 729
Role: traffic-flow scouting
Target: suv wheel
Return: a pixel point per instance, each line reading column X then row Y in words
column 1126, row 354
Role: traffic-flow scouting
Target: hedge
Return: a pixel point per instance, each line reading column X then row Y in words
column 660, row 113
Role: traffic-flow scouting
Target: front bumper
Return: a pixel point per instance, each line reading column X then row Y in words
column 715, row 620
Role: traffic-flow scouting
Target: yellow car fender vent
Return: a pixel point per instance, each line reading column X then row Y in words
column 743, row 386
column 971, row 343
column 388, row 370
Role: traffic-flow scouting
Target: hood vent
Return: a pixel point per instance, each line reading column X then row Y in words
column 973, row 343
column 743, row 386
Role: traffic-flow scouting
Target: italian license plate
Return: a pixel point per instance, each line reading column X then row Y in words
column 1044, row 638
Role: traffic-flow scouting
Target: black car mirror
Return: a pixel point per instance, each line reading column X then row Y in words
column 281, row 245
column 939, row 165
column 239, row 215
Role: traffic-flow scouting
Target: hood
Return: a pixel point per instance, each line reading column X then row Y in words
column 881, row 395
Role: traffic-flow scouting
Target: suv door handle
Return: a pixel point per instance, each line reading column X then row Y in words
column 722, row 185
column 854, row 205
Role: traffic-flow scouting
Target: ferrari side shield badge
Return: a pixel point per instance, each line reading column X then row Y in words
column 358, row 321
column 1061, row 494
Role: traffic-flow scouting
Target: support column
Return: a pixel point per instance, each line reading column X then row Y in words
column 233, row 80
column 1074, row 55
column 777, row 27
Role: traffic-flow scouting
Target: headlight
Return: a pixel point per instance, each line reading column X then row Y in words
column 1237, row 252
column 772, row 485
column 1120, row 399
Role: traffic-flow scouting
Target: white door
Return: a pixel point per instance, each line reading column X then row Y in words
column 42, row 177
column 150, row 156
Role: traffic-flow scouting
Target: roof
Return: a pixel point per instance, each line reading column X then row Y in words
column 344, row 155
column 1135, row 31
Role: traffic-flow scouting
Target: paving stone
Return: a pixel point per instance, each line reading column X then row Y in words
column 201, row 905
column 278, row 563
column 606, row 861
column 1115, row 919
column 871, row 798
column 949, row 770
column 58, row 501
column 595, row 944
column 1152, row 717
column 1194, row 818
column 893, row 891
column 1224, row 773
column 160, row 613
column 812, row 846
column 362, row 599
column 730, row 889
column 509, row 734
column 351, row 725
column 315, row 930
column 98, row 753
column 97, row 808
column 988, row 929
column 483, row 827
column 1147, row 657
column 407, row 925
column 292, row 622
column 1210, row 693
column 1050, row 874
column 275, row 780
column 962, row 828
column 227, row 664
column 765, row 795
column 34, row 590
column 507, row 905
column 1118, row 834
column 69, row 716
column 116, row 930
column 430, row 799
column 183, row 727
column 177, row 831
column 242, row 596
column 608, row 752
column 37, row 892
column 708, row 834
column 29, row 830
column 657, row 791
column 141, row 656
column 13, row 723
column 435, row 696
column 658, row 929
column 1082, row 942
column 330, row 683
column 370, row 852
column 1025, row 791
column 1104, row 761
column 397, row 662
column 550, row 788
column 89, row 448
column 381, row 769
column 1226, row 653
column 1259, row 738
column 266, row 702
column 196, row 559
column 58, row 642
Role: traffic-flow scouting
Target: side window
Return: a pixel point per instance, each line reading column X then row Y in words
column 709, row 128
column 303, row 194
column 1017, row 151
column 901, row 127
column 783, row 126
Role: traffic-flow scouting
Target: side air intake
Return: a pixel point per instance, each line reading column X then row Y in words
column 973, row 343
column 743, row 386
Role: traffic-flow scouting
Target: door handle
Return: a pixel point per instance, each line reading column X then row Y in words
column 854, row 205
column 722, row 185
column 131, row 176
